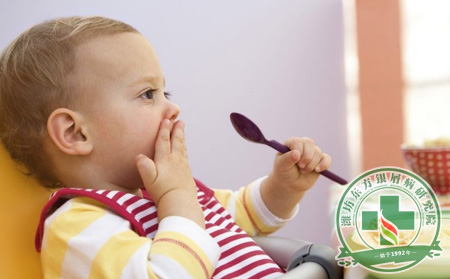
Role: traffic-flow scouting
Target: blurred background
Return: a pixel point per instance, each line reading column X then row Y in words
column 360, row 77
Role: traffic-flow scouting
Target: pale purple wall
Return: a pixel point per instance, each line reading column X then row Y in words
column 279, row 62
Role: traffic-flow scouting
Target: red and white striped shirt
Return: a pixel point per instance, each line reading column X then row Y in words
column 113, row 234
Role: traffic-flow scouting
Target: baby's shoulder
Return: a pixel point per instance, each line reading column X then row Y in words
column 77, row 209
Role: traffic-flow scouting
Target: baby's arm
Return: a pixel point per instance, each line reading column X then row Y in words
column 168, row 180
column 268, row 203
column 248, row 209
column 84, row 239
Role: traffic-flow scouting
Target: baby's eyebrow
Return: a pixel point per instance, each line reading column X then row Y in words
column 149, row 79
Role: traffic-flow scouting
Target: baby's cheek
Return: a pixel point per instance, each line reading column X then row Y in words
column 147, row 143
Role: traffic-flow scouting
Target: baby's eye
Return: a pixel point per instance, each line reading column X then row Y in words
column 148, row 94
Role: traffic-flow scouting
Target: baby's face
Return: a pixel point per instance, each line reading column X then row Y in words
column 122, row 102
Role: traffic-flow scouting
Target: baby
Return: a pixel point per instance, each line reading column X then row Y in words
column 83, row 107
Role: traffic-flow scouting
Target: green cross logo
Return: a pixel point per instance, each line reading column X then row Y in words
column 388, row 220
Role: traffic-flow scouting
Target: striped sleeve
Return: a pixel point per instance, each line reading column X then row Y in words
column 249, row 211
column 83, row 239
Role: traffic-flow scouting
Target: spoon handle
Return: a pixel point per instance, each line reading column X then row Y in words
column 328, row 174
column 278, row 146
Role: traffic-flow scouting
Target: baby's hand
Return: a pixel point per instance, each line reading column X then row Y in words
column 168, row 177
column 298, row 169
column 293, row 173
column 169, row 171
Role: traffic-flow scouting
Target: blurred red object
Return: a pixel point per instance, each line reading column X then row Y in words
column 432, row 164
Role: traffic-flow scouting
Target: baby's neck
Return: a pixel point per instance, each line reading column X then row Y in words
column 98, row 184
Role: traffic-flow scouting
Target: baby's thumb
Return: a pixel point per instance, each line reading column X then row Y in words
column 147, row 170
column 287, row 160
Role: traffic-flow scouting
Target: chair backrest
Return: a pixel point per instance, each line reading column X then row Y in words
column 21, row 200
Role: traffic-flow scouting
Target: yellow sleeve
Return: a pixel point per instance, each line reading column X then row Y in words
column 83, row 239
column 249, row 212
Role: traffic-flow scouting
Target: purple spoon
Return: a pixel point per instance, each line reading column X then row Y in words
column 249, row 131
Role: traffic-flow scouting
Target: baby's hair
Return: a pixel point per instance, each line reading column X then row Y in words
column 33, row 71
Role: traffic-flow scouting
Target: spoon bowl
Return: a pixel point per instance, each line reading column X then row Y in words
column 250, row 131
column 246, row 128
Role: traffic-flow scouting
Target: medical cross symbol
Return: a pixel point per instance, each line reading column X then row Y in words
column 392, row 219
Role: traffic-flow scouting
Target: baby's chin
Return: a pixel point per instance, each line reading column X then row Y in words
column 130, row 181
column 136, row 182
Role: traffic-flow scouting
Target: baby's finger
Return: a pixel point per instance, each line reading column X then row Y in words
column 314, row 162
column 177, row 140
column 147, row 170
column 162, row 144
column 286, row 161
column 308, row 152
column 324, row 163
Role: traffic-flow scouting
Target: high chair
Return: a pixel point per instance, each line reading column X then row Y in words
column 22, row 199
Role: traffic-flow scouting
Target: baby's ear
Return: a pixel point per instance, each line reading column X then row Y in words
column 67, row 132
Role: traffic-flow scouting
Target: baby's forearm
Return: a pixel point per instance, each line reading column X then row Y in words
column 183, row 204
column 279, row 200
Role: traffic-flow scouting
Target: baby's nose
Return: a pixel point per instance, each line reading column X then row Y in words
column 173, row 111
